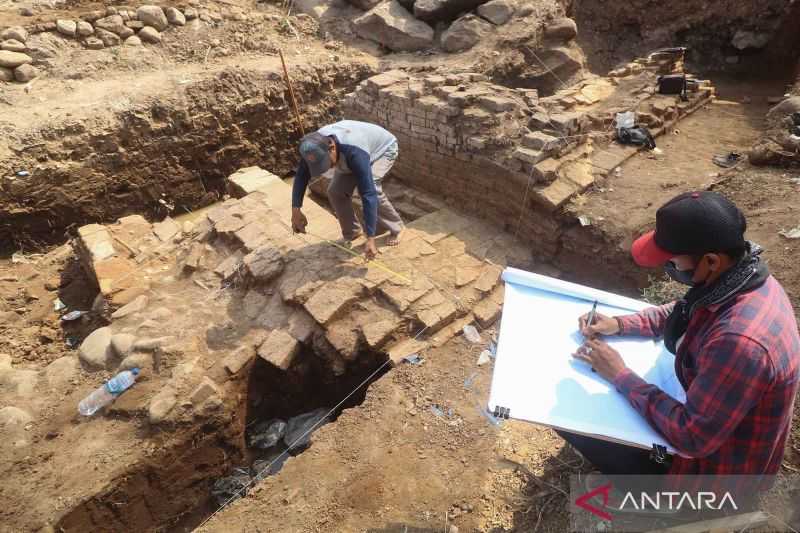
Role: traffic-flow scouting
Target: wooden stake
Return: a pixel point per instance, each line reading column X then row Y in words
column 291, row 94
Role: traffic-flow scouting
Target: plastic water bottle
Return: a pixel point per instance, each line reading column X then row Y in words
column 107, row 393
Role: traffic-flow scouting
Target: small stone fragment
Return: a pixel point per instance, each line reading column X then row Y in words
column 204, row 391
column 93, row 43
column 161, row 405
column 279, row 349
column 95, row 351
column 133, row 41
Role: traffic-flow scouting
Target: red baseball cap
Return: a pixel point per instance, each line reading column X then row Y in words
column 693, row 223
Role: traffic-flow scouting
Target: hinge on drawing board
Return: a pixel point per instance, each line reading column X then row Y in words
column 501, row 412
column 659, row 453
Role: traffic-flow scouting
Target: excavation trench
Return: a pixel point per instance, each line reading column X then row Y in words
column 219, row 461
column 162, row 156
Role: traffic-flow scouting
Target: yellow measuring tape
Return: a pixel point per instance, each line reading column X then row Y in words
column 373, row 262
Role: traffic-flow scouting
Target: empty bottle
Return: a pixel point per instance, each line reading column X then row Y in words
column 108, row 392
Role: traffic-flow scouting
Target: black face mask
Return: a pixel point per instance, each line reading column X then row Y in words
column 681, row 276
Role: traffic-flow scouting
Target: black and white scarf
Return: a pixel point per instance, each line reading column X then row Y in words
column 748, row 274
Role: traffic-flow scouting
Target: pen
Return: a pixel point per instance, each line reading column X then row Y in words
column 592, row 314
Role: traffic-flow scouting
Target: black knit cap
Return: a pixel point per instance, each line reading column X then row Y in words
column 693, row 223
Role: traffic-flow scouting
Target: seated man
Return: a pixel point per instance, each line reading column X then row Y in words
column 362, row 154
column 735, row 341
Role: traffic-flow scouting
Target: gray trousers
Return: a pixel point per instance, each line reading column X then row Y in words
column 340, row 195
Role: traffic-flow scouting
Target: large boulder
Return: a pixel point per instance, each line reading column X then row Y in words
column 443, row 10
column 497, row 11
column 391, row 25
column 9, row 59
column 562, row 29
column 153, row 16
column 464, row 33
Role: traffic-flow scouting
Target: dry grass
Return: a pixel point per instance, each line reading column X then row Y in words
column 662, row 290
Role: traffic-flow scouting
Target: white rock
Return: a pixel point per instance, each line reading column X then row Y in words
column 153, row 16
column 175, row 17
column 10, row 59
column 133, row 41
column 95, row 351
column 66, row 27
column 150, row 344
column 84, row 28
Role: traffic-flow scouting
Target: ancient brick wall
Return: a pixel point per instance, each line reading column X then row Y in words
column 505, row 154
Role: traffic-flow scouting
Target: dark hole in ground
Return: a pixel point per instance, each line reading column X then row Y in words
column 285, row 408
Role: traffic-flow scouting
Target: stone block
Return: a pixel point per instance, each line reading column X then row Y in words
column 377, row 333
column 436, row 317
column 264, row 264
column 279, row 349
column 230, row 265
column 194, row 259
column 488, row 278
column 205, row 390
column 497, row 104
column 238, row 359
column 539, row 140
column 401, row 295
column 486, row 312
column 529, row 155
column 344, row 339
column 404, row 348
column 557, row 193
column 302, row 326
column 166, row 229
column 252, row 235
column 247, row 180
column 333, row 299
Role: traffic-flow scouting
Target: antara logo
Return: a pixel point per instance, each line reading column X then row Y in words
column 656, row 501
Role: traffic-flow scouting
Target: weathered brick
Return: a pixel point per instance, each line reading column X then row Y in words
column 279, row 349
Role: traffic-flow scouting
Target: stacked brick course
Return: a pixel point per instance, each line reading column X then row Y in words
column 484, row 148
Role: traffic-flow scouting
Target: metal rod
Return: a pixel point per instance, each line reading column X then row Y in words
column 291, row 94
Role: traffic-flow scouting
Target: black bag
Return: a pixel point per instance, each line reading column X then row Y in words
column 673, row 84
column 637, row 136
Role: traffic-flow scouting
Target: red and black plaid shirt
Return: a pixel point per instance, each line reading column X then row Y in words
column 741, row 363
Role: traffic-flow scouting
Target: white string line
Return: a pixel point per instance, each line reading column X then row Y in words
column 301, row 437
